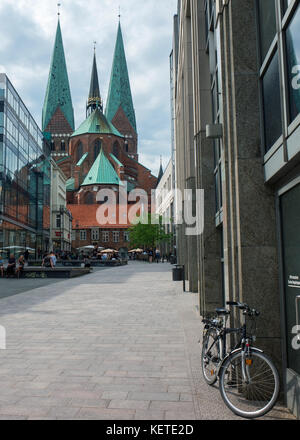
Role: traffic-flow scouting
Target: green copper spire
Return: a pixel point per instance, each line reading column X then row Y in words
column 119, row 94
column 58, row 90
column 102, row 172
column 94, row 99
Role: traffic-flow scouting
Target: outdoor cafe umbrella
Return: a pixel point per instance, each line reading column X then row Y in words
column 108, row 251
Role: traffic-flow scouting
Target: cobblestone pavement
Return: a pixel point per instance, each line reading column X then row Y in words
column 115, row 345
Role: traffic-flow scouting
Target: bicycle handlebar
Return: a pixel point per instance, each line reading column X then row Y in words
column 243, row 306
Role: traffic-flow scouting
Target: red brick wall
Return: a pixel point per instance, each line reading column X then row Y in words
column 59, row 124
column 122, row 124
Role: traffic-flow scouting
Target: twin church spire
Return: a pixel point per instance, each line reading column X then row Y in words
column 58, row 101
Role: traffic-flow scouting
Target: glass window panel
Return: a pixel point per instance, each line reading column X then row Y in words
column 267, row 25
column 272, row 103
column 286, row 4
column 293, row 64
column 290, row 217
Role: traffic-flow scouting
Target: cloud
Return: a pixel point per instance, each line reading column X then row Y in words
column 27, row 35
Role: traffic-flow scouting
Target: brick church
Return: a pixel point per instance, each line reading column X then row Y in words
column 101, row 153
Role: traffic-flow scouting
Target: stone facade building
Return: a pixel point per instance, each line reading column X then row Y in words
column 102, row 153
column 236, row 82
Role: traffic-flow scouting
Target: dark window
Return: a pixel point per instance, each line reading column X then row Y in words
column 126, row 146
column 79, row 152
column 290, row 218
column 52, row 146
column 267, row 25
column 293, row 64
column 272, row 103
column 97, row 148
column 89, row 199
column 116, row 149
column 63, row 146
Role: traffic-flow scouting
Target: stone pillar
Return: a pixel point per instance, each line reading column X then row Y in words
column 249, row 214
column 208, row 244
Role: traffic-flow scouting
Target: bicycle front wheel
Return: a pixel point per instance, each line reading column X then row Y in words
column 254, row 396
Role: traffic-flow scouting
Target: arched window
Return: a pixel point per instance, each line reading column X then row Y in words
column 97, row 148
column 52, row 146
column 89, row 199
column 126, row 146
column 79, row 152
column 63, row 146
column 116, row 149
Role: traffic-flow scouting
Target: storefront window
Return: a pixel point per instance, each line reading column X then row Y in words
column 293, row 64
column 272, row 103
column 267, row 25
column 290, row 216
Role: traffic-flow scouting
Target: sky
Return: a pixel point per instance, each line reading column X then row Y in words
column 27, row 34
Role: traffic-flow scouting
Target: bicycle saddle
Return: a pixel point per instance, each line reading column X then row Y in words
column 222, row 312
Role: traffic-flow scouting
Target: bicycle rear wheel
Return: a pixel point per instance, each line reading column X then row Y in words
column 256, row 397
column 210, row 357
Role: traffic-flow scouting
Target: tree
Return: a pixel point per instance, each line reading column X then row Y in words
column 148, row 234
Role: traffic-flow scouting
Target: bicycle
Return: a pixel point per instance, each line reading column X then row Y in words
column 248, row 378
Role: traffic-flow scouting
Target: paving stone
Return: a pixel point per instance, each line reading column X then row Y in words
column 114, row 345
column 105, row 414
column 114, row 395
column 169, row 397
column 129, row 404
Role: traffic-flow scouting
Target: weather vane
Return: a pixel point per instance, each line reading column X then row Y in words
column 119, row 13
column 58, row 8
column 95, row 42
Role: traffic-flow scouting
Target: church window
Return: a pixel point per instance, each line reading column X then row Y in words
column 89, row 199
column 116, row 149
column 97, row 148
column 79, row 152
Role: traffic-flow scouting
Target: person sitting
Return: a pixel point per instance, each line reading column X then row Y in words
column 21, row 264
column 47, row 261
column 1, row 266
column 11, row 267
column 87, row 262
column 53, row 259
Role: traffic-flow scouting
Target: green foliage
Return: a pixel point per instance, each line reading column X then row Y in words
column 148, row 233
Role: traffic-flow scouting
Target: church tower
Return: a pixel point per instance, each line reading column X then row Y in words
column 119, row 106
column 94, row 100
column 58, row 114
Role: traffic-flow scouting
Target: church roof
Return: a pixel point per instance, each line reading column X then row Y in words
column 160, row 174
column 102, row 173
column 58, row 89
column 119, row 94
column 96, row 123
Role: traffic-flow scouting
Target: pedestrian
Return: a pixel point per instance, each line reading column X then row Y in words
column 11, row 267
column 1, row 266
column 26, row 255
column 157, row 256
column 21, row 264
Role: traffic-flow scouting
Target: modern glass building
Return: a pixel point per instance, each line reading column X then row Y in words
column 25, row 177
